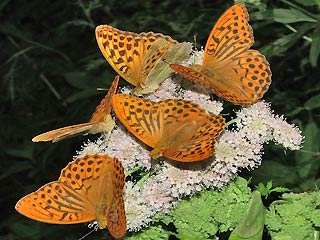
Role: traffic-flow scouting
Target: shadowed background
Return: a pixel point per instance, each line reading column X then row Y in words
column 51, row 67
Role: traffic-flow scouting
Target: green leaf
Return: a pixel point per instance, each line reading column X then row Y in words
column 313, row 102
column 22, row 151
column 305, row 160
column 211, row 211
column 251, row 225
column 16, row 168
column 297, row 216
column 283, row 15
column 82, row 95
column 151, row 233
column 308, row 2
column 315, row 47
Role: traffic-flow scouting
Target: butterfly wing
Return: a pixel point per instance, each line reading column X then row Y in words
column 70, row 199
column 63, row 133
column 152, row 58
column 189, row 132
column 229, row 69
column 116, row 216
column 178, row 53
column 104, row 108
column 142, row 118
column 233, row 72
column 101, row 121
column 230, row 36
column 200, row 144
column 125, row 51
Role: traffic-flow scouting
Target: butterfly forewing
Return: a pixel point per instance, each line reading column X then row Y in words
column 230, row 36
column 70, row 199
column 142, row 117
column 104, row 108
column 125, row 51
column 63, row 133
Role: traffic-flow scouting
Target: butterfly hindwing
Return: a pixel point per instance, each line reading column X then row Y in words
column 116, row 217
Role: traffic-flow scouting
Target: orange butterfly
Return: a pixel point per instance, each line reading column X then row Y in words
column 176, row 129
column 229, row 68
column 101, row 121
column 138, row 57
column 89, row 188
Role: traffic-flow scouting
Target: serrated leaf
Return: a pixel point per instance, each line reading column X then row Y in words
column 283, row 15
column 280, row 189
column 269, row 184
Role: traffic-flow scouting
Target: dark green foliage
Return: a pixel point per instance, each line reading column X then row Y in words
column 51, row 67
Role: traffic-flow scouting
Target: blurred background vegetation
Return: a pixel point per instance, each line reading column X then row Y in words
column 51, row 67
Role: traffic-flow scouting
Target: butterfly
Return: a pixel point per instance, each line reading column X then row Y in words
column 138, row 58
column 89, row 188
column 229, row 68
column 176, row 129
column 101, row 121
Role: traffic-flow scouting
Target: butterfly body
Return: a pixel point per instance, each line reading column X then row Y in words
column 229, row 68
column 89, row 188
column 176, row 129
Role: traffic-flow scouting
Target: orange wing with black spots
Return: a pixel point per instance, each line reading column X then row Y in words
column 176, row 129
column 229, row 68
column 138, row 57
column 101, row 121
column 89, row 188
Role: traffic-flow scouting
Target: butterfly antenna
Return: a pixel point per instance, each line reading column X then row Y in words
column 195, row 46
column 102, row 89
column 87, row 234
column 94, row 226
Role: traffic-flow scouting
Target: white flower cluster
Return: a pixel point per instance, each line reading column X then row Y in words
column 167, row 181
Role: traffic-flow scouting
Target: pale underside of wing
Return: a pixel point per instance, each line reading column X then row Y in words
column 125, row 51
column 63, row 133
column 177, row 53
column 150, row 62
column 73, row 130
